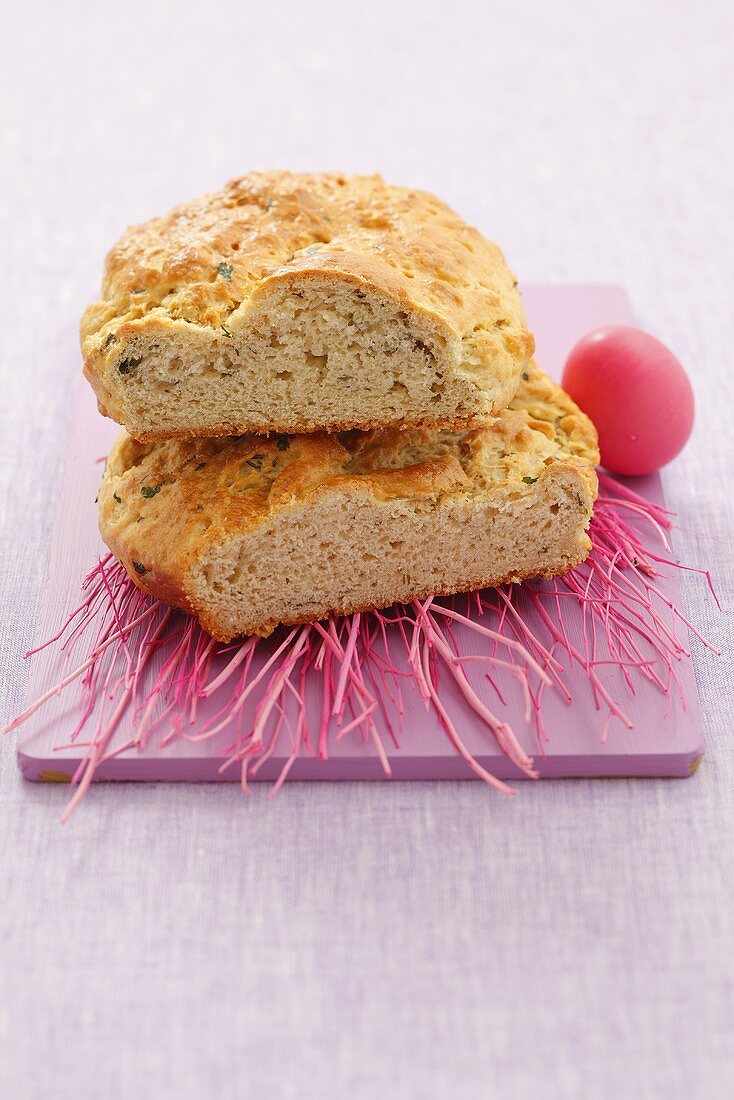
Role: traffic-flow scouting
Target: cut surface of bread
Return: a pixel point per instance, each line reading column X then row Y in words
column 296, row 303
column 246, row 533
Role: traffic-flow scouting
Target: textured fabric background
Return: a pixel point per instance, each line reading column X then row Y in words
column 375, row 941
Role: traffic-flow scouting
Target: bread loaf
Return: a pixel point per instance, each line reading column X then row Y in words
column 296, row 303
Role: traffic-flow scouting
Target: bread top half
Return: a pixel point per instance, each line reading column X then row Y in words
column 163, row 505
column 208, row 262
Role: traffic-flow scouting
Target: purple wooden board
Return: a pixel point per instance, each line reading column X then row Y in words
column 666, row 739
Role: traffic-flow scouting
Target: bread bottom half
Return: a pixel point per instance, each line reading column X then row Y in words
column 250, row 532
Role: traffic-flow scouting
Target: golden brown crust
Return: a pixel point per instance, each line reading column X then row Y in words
column 552, row 411
column 163, row 506
column 276, row 225
column 206, row 264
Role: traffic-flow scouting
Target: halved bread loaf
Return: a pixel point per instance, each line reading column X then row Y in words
column 296, row 303
column 249, row 532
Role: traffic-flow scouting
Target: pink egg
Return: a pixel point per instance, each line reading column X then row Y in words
column 637, row 394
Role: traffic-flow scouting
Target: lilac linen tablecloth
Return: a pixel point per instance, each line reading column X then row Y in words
column 383, row 940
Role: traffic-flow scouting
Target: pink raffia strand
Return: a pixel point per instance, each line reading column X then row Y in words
column 361, row 664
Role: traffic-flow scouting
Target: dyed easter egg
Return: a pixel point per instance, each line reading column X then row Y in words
column 637, row 394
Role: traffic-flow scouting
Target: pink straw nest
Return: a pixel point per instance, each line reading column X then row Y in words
column 142, row 659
